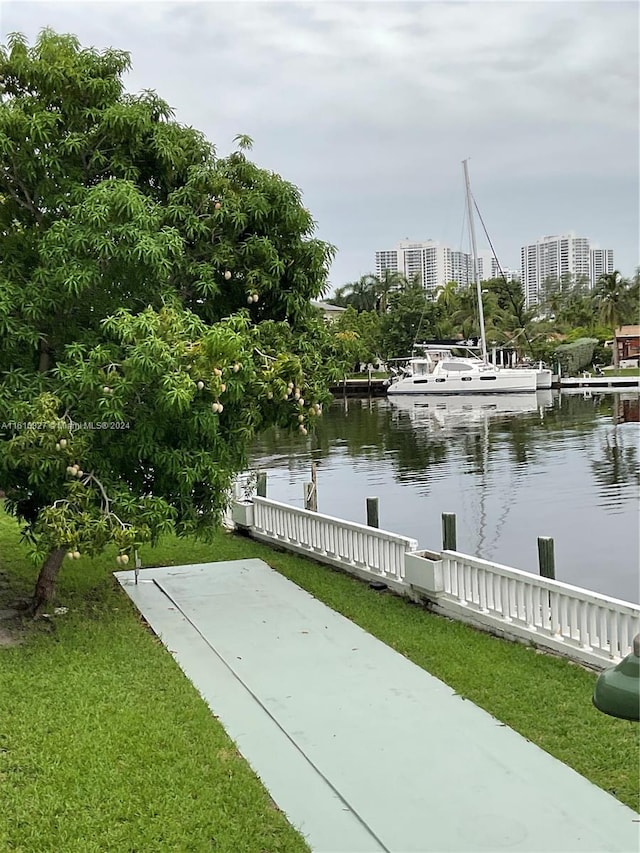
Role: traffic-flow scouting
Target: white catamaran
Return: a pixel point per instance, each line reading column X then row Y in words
column 438, row 371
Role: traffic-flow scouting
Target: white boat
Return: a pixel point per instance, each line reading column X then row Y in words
column 544, row 376
column 439, row 371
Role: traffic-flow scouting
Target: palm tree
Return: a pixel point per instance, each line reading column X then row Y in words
column 389, row 282
column 465, row 316
column 447, row 296
column 370, row 292
column 448, row 303
column 360, row 294
column 613, row 299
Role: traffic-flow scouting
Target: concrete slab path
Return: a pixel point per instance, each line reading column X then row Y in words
column 363, row 750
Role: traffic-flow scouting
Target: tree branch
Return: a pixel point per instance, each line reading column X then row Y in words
column 31, row 205
column 264, row 355
column 105, row 497
column 26, row 205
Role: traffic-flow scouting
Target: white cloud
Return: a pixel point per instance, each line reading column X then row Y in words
column 360, row 102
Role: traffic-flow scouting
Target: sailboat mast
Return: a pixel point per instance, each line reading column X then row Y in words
column 476, row 270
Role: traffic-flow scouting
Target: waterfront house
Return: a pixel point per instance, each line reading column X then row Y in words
column 626, row 346
column 330, row 312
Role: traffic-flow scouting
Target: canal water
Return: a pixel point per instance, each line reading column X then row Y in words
column 564, row 465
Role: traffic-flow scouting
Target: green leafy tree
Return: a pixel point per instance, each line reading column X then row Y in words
column 634, row 293
column 154, row 309
column 384, row 285
column 359, row 334
column 509, row 320
column 360, row 295
column 368, row 328
column 569, row 302
column 614, row 298
column 410, row 319
column 370, row 292
column 448, row 303
column 464, row 318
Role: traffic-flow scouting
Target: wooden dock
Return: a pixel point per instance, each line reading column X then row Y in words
column 600, row 381
column 361, row 388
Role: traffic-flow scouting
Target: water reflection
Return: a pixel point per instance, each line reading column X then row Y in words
column 627, row 408
column 615, row 464
column 463, row 410
column 511, row 469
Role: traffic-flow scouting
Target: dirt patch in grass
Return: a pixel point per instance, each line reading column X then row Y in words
column 11, row 625
column 8, row 637
column 16, row 625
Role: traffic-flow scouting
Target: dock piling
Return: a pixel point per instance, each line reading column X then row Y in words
column 373, row 518
column 449, row 541
column 546, row 558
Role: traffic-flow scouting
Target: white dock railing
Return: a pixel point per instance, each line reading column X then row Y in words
column 366, row 551
column 582, row 625
column 596, row 626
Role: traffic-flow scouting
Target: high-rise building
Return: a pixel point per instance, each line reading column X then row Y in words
column 601, row 264
column 415, row 261
column 386, row 260
column 488, row 267
column 461, row 268
column 552, row 258
column 431, row 261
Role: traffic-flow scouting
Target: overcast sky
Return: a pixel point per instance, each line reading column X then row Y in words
column 370, row 107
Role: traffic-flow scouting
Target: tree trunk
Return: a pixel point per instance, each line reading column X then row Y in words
column 46, row 583
column 45, row 356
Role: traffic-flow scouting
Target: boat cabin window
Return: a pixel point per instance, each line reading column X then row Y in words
column 421, row 368
column 456, row 365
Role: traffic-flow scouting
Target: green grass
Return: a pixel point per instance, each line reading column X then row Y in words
column 626, row 371
column 622, row 371
column 106, row 746
column 104, row 743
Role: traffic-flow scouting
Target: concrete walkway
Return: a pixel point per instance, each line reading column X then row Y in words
column 363, row 750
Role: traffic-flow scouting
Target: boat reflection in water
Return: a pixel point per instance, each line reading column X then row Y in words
column 463, row 410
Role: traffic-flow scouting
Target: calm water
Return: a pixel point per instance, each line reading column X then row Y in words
column 561, row 465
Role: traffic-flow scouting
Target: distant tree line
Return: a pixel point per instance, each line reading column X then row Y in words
column 387, row 315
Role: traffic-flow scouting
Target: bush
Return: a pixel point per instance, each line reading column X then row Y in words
column 576, row 356
column 603, row 355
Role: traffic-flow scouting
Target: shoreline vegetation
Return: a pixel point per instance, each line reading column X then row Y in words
column 106, row 745
column 573, row 324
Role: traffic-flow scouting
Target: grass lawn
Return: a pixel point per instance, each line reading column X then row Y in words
column 622, row 371
column 105, row 745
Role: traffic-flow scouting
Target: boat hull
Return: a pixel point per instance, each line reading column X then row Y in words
column 543, row 379
column 502, row 382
